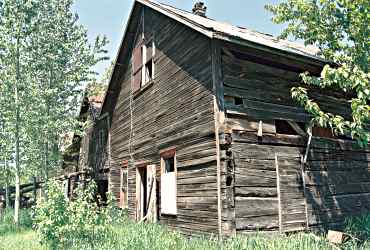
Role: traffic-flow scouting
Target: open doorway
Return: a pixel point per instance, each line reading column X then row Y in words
column 141, row 198
column 102, row 190
column 146, row 194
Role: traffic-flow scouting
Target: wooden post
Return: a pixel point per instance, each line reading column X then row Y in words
column 278, row 193
column 218, row 103
column 304, row 190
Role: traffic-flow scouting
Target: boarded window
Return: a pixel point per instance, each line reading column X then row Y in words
column 168, row 183
column 137, row 65
column 124, row 188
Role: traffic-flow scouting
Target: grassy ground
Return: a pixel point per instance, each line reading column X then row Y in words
column 141, row 237
column 21, row 240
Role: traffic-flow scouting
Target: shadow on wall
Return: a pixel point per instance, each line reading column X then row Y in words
column 337, row 184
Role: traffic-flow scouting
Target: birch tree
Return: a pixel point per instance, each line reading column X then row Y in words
column 45, row 59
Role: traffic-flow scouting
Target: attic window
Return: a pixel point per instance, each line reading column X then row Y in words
column 143, row 64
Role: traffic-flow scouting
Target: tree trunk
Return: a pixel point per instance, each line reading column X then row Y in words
column 7, row 186
column 17, row 143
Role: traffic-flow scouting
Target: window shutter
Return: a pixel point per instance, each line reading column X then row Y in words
column 137, row 59
column 136, row 83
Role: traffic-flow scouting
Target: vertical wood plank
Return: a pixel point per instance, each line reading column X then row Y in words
column 304, row 191
column 278, row 191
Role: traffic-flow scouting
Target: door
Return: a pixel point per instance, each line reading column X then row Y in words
column 291, row 188
column 146, row 200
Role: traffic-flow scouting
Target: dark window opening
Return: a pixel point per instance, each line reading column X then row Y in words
column 169, row 165
column 238, row 101
column 283, row 127
column 102, row 190
column 149, row 71
column 144, row 184
column 229, row 181
column 233, row 100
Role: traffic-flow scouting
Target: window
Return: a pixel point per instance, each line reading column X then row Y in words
column 124, row 188
column 168, row 182
column 290, row 128
column 143, row 64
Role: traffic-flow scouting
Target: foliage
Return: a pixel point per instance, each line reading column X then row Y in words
column 98, row 87
column 63, row 223
column 45, row 61
column 340, row 28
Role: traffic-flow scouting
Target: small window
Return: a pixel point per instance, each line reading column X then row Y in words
column 283, row 127
column 169, row 165
column 290, row 127
column 168, row 182
column 124, row 188
column 233, row 100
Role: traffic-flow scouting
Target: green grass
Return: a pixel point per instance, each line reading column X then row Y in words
column 154, row 237
column 21, row 240
column 134, row 236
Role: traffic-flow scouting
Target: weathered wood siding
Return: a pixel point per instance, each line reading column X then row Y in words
column 271, row 189
column 176, row 110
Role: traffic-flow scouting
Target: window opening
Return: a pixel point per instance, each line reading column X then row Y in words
column 283, row 127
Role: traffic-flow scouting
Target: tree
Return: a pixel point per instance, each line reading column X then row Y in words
column 16, row 24
column 98, row 87
column 45, row 59
column 340, row 28
column 62, row 63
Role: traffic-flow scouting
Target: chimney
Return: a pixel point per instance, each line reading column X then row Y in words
column 200, row 9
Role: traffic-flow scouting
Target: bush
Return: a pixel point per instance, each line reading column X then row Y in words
column 63, row 224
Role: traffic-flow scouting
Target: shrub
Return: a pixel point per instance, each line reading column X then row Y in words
column 63, row 224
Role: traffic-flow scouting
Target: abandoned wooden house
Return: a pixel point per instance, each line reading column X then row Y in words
column 199, row 132
column 80, row 154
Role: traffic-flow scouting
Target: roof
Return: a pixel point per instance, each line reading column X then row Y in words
column 210, row 28
column 231, row 33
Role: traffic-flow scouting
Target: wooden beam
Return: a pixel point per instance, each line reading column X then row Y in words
column 297, row 128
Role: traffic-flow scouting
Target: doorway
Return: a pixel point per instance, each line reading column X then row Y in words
column 146, row 194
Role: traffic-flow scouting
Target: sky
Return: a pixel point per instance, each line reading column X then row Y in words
column 109, row 17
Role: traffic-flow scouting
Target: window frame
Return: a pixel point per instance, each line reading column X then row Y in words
column 140, row 70
column 124, row 169
column 166, row 154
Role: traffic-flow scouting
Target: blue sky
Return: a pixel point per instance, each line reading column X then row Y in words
column 109, row 17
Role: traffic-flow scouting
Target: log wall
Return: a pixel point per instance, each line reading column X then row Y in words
column 270, row 189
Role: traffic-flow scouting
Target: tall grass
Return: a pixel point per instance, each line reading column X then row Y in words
column 7, row 224
column 130, row 235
